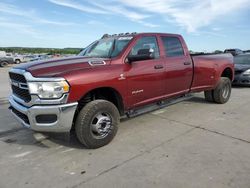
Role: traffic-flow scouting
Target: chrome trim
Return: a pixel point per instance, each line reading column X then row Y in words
column 65, row 114
column 35, row 100
column 30, row 78
column 21, row 85
column 102, row 62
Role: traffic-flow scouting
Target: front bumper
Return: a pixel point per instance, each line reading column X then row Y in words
column 38, row 117
column 241, row 80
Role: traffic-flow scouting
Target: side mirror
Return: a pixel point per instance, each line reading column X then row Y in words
column 142, row 54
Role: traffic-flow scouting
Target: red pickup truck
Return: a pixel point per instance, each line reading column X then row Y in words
column 116, row 76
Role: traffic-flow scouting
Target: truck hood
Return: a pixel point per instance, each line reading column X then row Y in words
column 241, row 67
column 59, row 67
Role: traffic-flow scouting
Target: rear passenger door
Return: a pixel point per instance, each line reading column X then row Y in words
column 178, row 66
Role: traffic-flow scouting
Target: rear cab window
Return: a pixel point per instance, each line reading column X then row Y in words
column 172, row 46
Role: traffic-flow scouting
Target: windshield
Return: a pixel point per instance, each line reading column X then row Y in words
column 242, row 59
column 106, row 48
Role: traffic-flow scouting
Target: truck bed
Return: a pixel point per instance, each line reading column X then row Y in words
column 206, row 73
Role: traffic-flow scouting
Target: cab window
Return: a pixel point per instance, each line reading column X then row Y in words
column 144, row 44
column 173, row 46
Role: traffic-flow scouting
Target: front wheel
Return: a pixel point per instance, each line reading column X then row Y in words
column 97, row 123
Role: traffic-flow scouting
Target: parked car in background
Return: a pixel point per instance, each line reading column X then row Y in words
column 18, row 59
column 234, row 52
column 242, row 69
column 28, row 58
column 4, row 59
column 40, row 57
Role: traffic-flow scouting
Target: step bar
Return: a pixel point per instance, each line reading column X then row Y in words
column 157, row 105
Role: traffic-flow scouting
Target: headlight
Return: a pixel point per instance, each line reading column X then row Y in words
column 47, row 90
column 247, row 72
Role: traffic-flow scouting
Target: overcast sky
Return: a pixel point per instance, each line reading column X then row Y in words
column 206, row 25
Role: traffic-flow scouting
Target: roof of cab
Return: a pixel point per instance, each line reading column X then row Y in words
column 134, row 34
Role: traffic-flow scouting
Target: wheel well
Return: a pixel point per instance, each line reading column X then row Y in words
column 106, row 93
column 227, row 73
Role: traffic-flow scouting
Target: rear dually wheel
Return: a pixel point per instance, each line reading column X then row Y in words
column 221, row 93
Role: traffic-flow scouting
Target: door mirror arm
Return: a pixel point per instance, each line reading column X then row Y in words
column 127, row 61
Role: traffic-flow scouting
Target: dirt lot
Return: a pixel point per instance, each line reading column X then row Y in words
column 192, row 144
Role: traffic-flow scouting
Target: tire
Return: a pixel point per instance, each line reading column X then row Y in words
column 209, row 96
column 97, row 123
column 3, row 64
column 222, row 92
column 17, row 61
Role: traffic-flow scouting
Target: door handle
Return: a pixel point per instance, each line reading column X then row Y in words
column 158, row 67
column 187, row 63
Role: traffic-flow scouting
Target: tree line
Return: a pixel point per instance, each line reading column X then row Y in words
column 27, row 50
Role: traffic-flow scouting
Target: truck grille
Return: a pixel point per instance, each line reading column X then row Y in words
column 21, row 93
column 20, row 115
column 17, row 77
column 19, row 86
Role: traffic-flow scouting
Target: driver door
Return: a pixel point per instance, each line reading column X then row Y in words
column 145, row 78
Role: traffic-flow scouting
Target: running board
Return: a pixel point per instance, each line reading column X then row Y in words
column 157, row 106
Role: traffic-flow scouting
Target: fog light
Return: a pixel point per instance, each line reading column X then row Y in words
column 46, row 118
